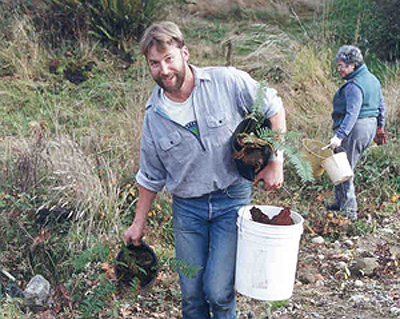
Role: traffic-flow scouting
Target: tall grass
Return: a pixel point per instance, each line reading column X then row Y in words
column 22, row 54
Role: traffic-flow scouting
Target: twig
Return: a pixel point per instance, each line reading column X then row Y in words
column 8, row 275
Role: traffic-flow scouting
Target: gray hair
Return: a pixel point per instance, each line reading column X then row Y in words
column 350, row 54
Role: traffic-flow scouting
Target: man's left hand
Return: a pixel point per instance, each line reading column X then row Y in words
column 272, row 175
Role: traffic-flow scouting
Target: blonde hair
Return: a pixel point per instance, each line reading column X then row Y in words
column 161, row 34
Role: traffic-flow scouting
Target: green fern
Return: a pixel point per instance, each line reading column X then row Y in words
column 98, row 298
column 278, row 140
column 286, row 142
column 257, row 113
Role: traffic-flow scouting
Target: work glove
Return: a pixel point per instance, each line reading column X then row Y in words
column 380, row 136
column 335, row 142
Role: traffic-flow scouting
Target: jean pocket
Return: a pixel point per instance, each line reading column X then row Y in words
column 242, row 190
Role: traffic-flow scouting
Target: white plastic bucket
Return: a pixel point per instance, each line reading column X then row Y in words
column 266, row 259
column 338, row 168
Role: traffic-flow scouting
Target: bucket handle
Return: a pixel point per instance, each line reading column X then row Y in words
column 259, row 189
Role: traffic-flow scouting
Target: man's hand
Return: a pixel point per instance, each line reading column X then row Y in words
column 134, row 233
column 272, row 175
column 380, row 136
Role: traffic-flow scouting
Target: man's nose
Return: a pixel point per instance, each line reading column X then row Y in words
column 164, row 68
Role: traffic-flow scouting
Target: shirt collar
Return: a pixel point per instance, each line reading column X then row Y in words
column 199, row 74
column 360, row 69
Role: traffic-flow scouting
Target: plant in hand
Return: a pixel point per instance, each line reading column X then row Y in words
column 254, row 142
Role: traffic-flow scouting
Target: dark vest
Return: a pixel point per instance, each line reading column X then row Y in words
column 370, row 88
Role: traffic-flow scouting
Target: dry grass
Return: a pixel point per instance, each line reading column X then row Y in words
column 283, row 8
column 308, row 95
column 391, row 93
column 23, row 52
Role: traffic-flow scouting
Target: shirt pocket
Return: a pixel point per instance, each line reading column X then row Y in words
column 219, row 132
column 173, row 149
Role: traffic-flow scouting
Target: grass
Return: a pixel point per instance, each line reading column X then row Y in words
column 77, row 147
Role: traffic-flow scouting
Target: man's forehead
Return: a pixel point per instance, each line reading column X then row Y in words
column 157, row 50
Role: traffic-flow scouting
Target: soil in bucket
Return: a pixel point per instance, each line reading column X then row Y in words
column 283, row 218
column 267, row 254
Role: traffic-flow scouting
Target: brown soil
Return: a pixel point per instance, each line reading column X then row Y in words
column 283, row 218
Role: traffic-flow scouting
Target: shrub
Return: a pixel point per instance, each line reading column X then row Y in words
column 373, row 25
column 114, row 22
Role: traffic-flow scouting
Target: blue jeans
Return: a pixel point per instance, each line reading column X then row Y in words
column 206, row 236
column 355, row 144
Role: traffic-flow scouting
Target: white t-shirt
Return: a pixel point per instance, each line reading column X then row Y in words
column 182, row 113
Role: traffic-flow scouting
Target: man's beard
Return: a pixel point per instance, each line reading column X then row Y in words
column 179, row 77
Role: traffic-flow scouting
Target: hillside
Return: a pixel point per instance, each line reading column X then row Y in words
column 71, row 111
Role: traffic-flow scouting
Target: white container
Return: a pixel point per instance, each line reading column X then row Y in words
column 338, row 168
column 266, row 259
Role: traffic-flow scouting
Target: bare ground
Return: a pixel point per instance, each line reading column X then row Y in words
column 328, row 284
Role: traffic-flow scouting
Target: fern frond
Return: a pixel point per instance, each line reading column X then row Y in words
column 303, row 168
column 286, row 143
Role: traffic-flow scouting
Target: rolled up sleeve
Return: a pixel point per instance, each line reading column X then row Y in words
column 151, row 174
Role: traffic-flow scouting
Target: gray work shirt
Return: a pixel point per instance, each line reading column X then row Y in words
column 189, row 165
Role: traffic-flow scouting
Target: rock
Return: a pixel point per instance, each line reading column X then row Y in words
column 337, row 244
column 365, row 254
column 358, row 284
column 387, row 231
column 318, row 277
column 364, row 266
column 342, row 265
column 318, row 240
column 395, row 251
column 36, row 293
column 307, row 278
column 357, row 299
column 395, row 311
column 348, row 243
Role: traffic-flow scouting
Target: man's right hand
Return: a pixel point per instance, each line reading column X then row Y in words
column 134, row 233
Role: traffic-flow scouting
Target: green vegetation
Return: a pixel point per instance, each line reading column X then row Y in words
column 71, row 110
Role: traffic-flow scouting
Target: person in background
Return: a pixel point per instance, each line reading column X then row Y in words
column 358, row 119
column 185, row 147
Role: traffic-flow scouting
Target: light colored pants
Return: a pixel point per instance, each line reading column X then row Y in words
column 355, row 144
column 206, row 236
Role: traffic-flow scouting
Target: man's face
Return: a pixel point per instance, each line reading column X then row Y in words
column 168, row 67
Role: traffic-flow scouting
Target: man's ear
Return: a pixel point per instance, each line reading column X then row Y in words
column 185, row 53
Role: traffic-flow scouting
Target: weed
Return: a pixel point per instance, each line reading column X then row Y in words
column 361, row 228
column 98, row 298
